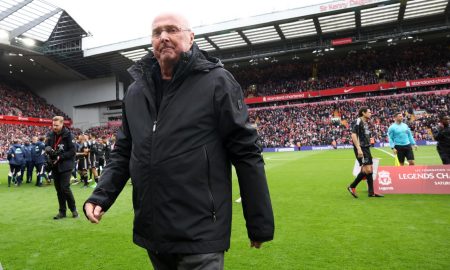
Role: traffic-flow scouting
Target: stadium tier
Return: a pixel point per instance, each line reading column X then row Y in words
column 348, row 69
column 18, row 100
column 322, row 123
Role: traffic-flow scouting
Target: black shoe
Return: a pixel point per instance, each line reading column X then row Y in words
column 376, row 195
column 352, row 191
column 75, row 214
column 59, row 216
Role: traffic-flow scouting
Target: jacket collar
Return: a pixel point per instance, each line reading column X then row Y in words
column 192, row 60
column 64, row 132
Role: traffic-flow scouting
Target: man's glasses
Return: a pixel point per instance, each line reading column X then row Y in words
column 169, row 29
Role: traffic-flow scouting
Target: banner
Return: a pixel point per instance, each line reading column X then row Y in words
column 341, row 41
column 117, row 123
column 349, row 90
column 413, row 180
column 31, row 121
column 344, row 4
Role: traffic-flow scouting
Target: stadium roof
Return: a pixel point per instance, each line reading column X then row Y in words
column 35, row 20
column 39, row 31
column 291, row 32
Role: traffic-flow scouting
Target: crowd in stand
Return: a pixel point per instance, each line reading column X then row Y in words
column 9, row 132
column 17, row 100
column 318, row 123
column 305, row 123
column 101, row 131
column 325, row 122
column 352, row 69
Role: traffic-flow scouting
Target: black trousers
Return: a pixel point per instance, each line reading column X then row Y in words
column 444, row 153
column 63, row 191
column 29, row 165
column 208, row 261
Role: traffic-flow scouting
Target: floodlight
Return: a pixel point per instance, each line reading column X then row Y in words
column 29, row 42
column 4, row 34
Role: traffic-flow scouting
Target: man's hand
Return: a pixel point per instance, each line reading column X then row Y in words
column 395, row 151
column 415, row 147
column 255, row 244
column 360, row 153
column 93, row 212
column 56, row 161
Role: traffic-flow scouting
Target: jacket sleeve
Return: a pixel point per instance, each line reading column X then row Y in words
column 9, row 154
column 70, row 151
column 437, row 133
column 391, row 136
column 116, row 172
column 240, row 138
column 410, row 137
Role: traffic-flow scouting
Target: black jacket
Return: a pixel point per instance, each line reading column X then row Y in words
column 67, row 157
column 442, row 136
column 179, row 159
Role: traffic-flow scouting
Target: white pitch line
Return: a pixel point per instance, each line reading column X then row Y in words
column 392, row 155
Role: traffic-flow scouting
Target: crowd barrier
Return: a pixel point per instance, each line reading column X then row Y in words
column 329, row 147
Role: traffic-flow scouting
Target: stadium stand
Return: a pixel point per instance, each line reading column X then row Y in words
column 322, row 122
column 103, row 131
column 351, row 69
column 10, row 132
column 18, row 100
column 303, row 54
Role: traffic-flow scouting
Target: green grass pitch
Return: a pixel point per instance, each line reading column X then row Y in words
column 318, row 224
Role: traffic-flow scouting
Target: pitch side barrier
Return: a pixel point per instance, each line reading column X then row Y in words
column 417, row 179
column 339, row 146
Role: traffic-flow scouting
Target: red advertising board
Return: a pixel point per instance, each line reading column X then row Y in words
column 31, row 121
column 341, row 41
column 413, row 180
column 349, row 90
column 114, row 123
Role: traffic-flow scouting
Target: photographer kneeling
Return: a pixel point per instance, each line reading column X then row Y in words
column 60, row 152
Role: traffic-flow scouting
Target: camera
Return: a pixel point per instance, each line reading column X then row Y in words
column 51, row 157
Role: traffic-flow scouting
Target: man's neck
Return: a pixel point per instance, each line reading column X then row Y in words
column 166, row 70
column 398, row 122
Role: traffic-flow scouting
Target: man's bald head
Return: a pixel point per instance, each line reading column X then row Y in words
column 171, row 36
column 173, row 17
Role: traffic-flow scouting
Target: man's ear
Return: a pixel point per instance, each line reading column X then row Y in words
column 191, row 36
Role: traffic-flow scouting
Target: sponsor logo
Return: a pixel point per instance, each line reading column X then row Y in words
column 348, row 90
column 384, row 178
column 430, row 81
column 284, row 149
column 322, row 147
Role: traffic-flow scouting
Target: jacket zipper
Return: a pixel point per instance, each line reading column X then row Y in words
column 211, row 197
column 147, row 83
